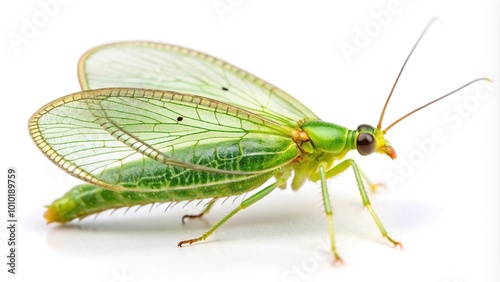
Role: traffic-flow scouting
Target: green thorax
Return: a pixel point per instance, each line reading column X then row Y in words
column 330, row 138
column 327, row 142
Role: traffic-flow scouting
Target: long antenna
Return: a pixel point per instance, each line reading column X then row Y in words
column 432, row 102
column 379, row 126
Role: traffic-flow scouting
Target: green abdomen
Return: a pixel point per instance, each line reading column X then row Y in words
column 87, row 199
column 154, row 182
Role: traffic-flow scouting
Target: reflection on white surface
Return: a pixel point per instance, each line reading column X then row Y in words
column 275, row 240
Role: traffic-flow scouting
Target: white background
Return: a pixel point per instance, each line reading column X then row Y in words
column 444, row 210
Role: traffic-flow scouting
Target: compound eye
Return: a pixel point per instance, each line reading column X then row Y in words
column 365, row 127
column 365, row 144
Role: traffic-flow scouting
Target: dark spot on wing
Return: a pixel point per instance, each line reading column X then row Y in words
column 180, row 118
column 225, row 88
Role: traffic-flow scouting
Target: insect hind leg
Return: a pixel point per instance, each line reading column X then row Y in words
column 246, row 203
column 205, row 211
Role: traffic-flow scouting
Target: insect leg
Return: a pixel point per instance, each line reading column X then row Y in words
column 246, row 203
column 328, row 211
column 366, row 202
column 373, row 186
column 205, row 210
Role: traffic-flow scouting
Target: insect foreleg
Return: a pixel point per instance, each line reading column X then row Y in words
column 373, row 186
column 205, row 211
column 341, row 167
column 246, row 203
column 329, row 213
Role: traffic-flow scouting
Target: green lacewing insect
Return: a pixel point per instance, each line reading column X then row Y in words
column 159, row 123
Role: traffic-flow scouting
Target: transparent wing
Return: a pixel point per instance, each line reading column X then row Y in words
column 167, row 67
column 103, row 136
